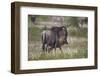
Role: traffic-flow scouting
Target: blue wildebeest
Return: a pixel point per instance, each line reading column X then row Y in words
column 54, row 38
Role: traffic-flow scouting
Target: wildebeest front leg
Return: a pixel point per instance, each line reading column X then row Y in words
column 55, row 47
column 48, row 48
column 61, row 49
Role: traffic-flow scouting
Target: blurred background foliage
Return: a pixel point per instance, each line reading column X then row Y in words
column 63, row 20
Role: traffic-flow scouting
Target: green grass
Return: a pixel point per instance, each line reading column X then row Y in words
column 77, row 32
column 57, row 55
column 80, row 54
column 77, row 47
column 34, row 33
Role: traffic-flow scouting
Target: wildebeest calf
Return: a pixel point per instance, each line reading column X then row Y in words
column 54, row 38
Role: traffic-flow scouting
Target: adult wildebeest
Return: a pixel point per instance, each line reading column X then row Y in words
column 54, row 38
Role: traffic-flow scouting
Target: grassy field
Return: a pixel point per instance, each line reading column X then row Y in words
column 76, row 47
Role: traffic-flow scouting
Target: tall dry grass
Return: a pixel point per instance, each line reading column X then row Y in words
column 76, row 48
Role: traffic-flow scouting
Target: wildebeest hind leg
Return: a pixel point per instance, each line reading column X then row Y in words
column 43, row 47
column 46, row 48
column 61, row 49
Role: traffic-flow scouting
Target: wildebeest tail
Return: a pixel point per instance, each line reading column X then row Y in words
column 43, row 39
